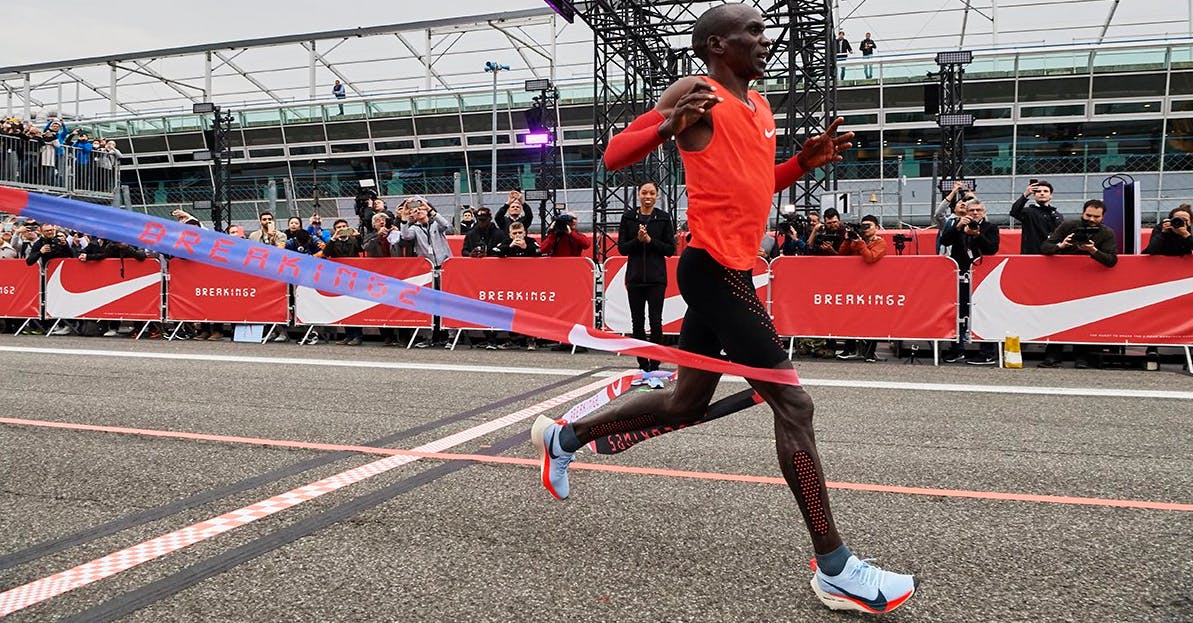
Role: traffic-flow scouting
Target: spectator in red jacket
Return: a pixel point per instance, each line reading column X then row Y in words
column 563, row 239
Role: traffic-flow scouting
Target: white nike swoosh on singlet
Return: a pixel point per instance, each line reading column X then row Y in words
column 769, row 133
column 62, row 303
column 617, row 303
column 313, row 307
column 995, row 315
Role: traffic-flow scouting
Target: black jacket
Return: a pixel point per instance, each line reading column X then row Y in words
column 964, row 249
column 343, row 248
column 105, row 249
column 507, row 249
column 486, row 239
column 1107, row 247
column 647, row 263
column 1168, row 243
column 57, row 249
column 503, row 221
column 1038, row 222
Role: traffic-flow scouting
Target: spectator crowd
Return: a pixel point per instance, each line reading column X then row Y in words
column 647, row 235
column 51, row 153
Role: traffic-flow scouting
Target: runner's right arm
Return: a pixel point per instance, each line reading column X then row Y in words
column 683, row 105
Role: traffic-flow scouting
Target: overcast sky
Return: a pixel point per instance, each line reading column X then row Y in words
column 135, row 25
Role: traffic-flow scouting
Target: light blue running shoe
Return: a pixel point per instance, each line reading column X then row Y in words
column 863, row 587
column 554, row 461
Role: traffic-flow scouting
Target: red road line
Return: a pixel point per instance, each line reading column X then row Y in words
column 26, row 595
column 618, row 469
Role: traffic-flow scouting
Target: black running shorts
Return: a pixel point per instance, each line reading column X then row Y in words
column 725, row 313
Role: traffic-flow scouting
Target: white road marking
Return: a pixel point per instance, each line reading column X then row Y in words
column 530, row 370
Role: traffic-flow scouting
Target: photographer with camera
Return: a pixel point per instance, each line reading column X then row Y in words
column 1038, row 219
column 827, row 236
column 790, row 235
column 484, row 237
column 268, row 234
column 50, row 244
column 1171, row 235
column 646, row 237
column 971, row 237
column 563, row 240
column 863, row 240
column 363, row 208
column 1085, row 236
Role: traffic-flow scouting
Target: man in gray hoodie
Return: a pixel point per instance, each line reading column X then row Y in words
column 427, row 229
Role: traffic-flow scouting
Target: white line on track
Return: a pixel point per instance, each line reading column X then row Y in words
column 530, row 370
column 38, row 591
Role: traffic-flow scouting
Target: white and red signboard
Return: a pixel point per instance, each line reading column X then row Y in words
column 908, row 297
column 20, row 289
column 1073, row 299
column 313, row 307
column 199, row 292
column 104, row 289
column 617, row 303
column 559, row 287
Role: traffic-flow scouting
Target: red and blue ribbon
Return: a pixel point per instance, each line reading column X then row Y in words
column 253, row 258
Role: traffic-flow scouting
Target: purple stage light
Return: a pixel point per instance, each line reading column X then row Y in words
column 537, row 138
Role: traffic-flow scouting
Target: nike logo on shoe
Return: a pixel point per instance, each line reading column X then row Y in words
column 877, row 604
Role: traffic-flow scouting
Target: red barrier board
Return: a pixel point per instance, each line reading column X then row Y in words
column 20, row 289
column 96, row 290
column 617, row 304
column 201, row 293
column 909, row 297
column 1073, row 299
column 560, row 287
column 313, row 307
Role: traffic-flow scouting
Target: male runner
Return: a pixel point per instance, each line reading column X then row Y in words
column 726, row 137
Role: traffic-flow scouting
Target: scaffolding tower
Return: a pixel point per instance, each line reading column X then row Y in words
column 643, row 46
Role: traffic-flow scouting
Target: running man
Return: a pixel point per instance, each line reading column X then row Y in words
column 726, row 136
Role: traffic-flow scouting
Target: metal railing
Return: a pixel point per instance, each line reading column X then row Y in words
column 51, row 168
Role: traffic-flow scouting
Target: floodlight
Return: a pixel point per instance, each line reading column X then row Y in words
column 960, row 57
column 952, row 120
column 204, row 108
column 538, row 84
column 536, row 195
column 537, row 138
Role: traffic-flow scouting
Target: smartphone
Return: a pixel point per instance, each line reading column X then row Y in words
column 1032, row 182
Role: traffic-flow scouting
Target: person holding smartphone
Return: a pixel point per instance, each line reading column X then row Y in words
column 268, row 234
column 1038, row 218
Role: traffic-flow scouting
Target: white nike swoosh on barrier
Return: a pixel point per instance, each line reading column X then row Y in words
column 579, row 336
column 617, row 303
column 62, row 303
column 313, row 307
column 996, row 316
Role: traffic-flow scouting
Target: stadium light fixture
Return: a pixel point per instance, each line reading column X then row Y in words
column 959, row 57
column 953, row 120
column 537, row 138
column 204, row 108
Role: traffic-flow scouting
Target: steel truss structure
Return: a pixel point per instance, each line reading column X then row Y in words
column 643, row 46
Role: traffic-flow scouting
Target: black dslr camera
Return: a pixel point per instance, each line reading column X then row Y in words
column 853, row 231
column 1085, row 235
column 561, row 224
column 1177, row 222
